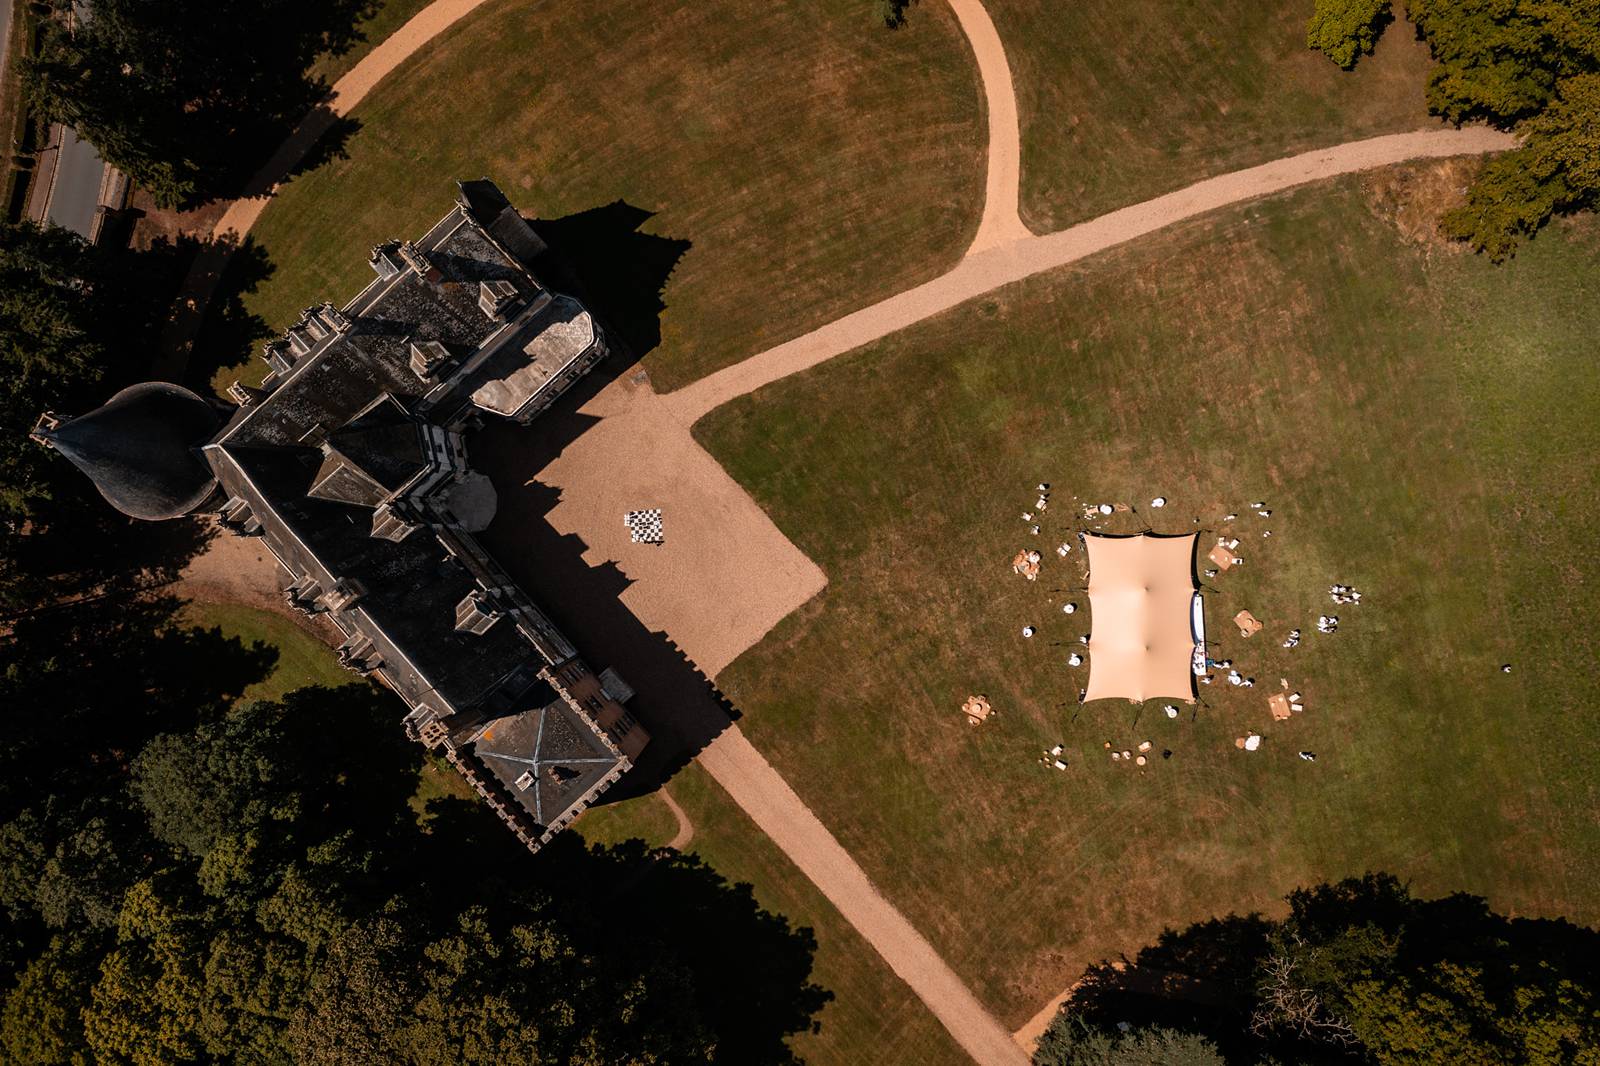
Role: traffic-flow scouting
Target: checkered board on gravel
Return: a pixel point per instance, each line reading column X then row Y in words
column 644, row 526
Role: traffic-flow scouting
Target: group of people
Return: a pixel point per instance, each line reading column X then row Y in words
column 1344, row 594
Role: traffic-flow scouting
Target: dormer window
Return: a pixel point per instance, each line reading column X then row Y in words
column 496, row 297
column 278, row 357
column 429, row 359
column 344, row 594
column 384, row 262
column 475, row 614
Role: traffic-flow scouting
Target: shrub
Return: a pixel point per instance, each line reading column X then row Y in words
column 1346, row 30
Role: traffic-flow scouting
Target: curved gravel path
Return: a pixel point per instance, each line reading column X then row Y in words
column 982, row 271
column 1002, row 188
column 685, row 833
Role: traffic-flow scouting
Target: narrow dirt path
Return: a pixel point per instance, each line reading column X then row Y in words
column 1002, row 188
column 984, row 271
column 764, row 795
column 685, row 833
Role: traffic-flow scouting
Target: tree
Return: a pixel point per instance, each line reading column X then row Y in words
column 189, row 96
column 53, row 347
column 1346, row 30
column 1068, row 1042
column 1443, row 981
column 1359, row 971
column 283, row 903
column 1527, row 67
column 1557, row 169
column 41, row 1021
column 1502, row 62
column 893, row 12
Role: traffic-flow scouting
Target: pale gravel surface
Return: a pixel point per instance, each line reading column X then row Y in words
column 1002, row 187
column 727, row 574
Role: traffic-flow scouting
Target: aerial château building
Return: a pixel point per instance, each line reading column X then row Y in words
column 349, row 462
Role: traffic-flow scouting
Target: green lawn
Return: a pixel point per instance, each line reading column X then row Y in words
column 813, row 160
column 1121, row 100
column 303, row 660
column 1423, row 427
column 643, row 818
column 873, row 1019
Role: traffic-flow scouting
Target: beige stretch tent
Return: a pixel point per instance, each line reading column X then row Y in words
column 1141, row 590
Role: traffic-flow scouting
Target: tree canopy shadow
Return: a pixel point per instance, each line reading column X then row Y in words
column 750, row 982
column 1354, row 957
column 212, row 328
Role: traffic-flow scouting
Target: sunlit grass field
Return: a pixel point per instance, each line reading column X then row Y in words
column 1423, row 427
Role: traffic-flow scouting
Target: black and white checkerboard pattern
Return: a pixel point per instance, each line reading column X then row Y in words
column 644, row 526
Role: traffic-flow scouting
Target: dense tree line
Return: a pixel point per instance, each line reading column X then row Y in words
column 1360, row 971
column 188, row 96
column 185, row 877
column 77, row 322
column 1528, row 66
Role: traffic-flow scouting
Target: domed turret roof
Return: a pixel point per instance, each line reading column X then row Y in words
column 141, row 449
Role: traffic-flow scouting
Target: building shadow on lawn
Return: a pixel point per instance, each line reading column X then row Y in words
column 603, row 257
column 598, row 255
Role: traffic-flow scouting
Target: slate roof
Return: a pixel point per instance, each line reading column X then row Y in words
column 562, row 757
column 140, row 449
column 374, row 455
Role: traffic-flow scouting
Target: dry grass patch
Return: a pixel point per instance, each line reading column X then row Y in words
column 813, row 161
column 1423, row 427
column 1122, row 100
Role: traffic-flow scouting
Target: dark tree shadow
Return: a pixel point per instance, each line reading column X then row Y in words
column 100, row 676
column 1207, row 978
column 1198, row 980
column 750, row 969
column 226, row 332
column 321, row 136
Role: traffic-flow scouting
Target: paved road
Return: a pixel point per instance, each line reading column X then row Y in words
column 78, row 170
column 75, row 191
